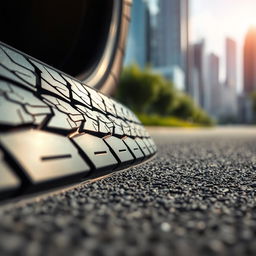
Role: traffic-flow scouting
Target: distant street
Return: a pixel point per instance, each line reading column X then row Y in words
column 214, row 132
column 196, row 197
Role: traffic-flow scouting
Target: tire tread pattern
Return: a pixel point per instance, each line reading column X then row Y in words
column 37, row 98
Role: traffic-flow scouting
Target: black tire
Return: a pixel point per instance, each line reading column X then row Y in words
column 55, row 130
column 110, row 64
column 85, row 39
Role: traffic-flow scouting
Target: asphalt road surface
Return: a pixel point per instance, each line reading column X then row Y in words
column 196, row 197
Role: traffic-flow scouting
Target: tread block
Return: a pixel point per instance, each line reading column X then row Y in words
column 44, row 156
column 149, row 146
column 78, row 92
column 55, row 75
column 16, row 113
column 50, row 84
column 118, row 130
column 27, row 76
column 133, row 129
column 61, row 105
column 119, row 112
column 120, row 149
column 134, row 148
column 126, row 128
column 97, row 101
column 152, row 143
column 4, row 72
column 37, row 110
column 97, row 151
column 22, row 96
column 8, row 181
column 62, row 121
column 90, row 125
column 143, row 146
column 109, row 105
column 18, row 58
column 105, row 124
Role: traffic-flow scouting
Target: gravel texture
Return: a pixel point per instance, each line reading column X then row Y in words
column 197, row 197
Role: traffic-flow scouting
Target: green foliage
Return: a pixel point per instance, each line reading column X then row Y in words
column 148, row 93
column 138, row 89
column 165, row 101
column 185, row 106
column 157, row 120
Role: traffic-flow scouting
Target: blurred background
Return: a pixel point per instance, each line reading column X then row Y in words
column 191, row 62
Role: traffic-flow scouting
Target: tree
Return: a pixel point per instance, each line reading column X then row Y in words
column 184, row 107
column 138, row 89
column 148, row 93
column 166, row 99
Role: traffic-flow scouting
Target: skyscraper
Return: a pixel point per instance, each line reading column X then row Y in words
column 136, row 51
column 213, row 90
column 250, row 61
column 229, row 90
column 171, row 35
column 231, row 64
column 199, row 66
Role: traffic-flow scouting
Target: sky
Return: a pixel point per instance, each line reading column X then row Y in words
column 214, row 20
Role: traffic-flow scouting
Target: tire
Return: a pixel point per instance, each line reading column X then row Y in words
column 111, row 61
column 55, row 130
column 85, row 40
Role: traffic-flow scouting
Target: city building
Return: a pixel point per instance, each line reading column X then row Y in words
column 194, row 85
column 245, row 109
column 229, row 90
column 212, row 87
column 250, row 61
column 198, row 73
column 174, row 74
column 171, row 35
column 229, row 105
column 231, row 64
column 136, row 49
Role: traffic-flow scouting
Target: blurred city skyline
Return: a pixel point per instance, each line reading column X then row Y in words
column 218, row 19
column 214, row 21
column 200, row 46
